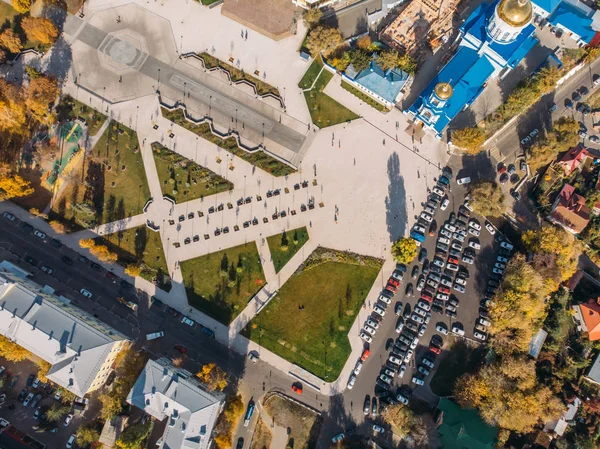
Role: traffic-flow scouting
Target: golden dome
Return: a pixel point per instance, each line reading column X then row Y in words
column 443, row 91
column 516, row 13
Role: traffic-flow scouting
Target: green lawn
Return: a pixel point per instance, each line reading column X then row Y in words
column 140, row 246
column 282, row 250
column 307, row 323
column 220, row 284
column 69, row 109
column 112, row 186
column 183, row 179
column 364, row 97
column 258, row 158
column 324, row 110
column 311, row 74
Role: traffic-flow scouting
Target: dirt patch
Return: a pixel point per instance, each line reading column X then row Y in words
column 273, row 18
column 304, row 424
column 262, row 436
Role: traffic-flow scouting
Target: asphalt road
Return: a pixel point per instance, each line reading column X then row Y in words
column 539, row 116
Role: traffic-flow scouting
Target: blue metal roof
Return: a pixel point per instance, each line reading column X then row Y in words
column 547, row 5
column 387, row 84
column 574, row 20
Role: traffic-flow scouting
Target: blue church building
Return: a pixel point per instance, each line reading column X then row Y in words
column 495, row 38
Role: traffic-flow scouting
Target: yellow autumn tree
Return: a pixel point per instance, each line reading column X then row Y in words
column 21, row 6
column 133, row 270
column 11, row 41
column 87, row 243
column 12, row 109
column 12, row 351
column 58, row 227
column 39, row 29
column 13, row 186
column 227, row 423
column 404, row 250
column 213, row 377
column 470, row 139
column 39, row 96
column 103, row 253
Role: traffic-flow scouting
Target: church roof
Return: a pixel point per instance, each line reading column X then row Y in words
column 574, row 20
column 385, row 83
column 547, row 5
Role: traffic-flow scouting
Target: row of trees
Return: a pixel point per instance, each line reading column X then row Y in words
column 560, row 138
column 100, row 251
column 487, row 199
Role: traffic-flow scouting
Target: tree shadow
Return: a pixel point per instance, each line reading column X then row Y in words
column 140, row 241
column 395, row 202
column 477, row 167
column 94, row 192
column 61, row 59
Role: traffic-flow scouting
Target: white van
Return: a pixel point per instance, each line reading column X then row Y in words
column 155, row 335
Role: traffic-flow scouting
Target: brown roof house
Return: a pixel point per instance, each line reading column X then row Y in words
column 570, row 211
column 573, row 159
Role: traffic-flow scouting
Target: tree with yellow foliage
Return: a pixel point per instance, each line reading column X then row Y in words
column 469, row 139
column 404, row 250
column 13, row 186
column 12, row 109
column 487, row 199
column 39, row 96
column 103, row 253
column 507, row 394
column 133, row 270
column 39, row 29
column 87, row 243
column 212, row 376
column 234, row 409
column 58, row 227
column 11, row 41
column 12, row 351
column 21, row 6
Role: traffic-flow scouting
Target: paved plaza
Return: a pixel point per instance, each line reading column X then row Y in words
column 365, row 179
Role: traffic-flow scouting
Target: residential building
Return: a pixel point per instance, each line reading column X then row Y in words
column 384, row 86
column 572, row 17
column 593, row 374
column 80, row 349
column 558, row 427
column 587, row 318
column 112, row 431
column 570, row 211
column 495, row 38
column 169, row 393
column 463, row 428
column 573, row 159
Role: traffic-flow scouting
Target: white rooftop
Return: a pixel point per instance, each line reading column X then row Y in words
column 164, row 391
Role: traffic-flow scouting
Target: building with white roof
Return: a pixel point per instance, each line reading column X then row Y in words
column 167, row 392
column 80, row 349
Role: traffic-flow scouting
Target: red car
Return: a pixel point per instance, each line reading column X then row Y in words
column 365, row 355
column 443, row 289
column 297, row 388
column 435, row 349
column 394, row 282
column 426, row 296
column 391, row 287
column 180, row 348
column 453, row 260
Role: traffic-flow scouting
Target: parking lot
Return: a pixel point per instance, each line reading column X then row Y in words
column 386, row 341
column 19, row 412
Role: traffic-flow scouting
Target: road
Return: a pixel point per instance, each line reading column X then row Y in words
column 507, row 141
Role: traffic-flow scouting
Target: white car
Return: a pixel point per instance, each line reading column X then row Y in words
column 458, row 330
column 465, row 180
column 372, row 323
column 377, row 428
column 442, row 329
column 475, row 245
column 402, row 371
column 424, row 305
column 399, row 325
column 483, row 322
column 414, row 343
column 445, row 233
column 473, row 224
column 444, row 240
column 459, row 237
column 445, row 204
column 71, row 441
column 425, row 216
column 417, row 381
column 467, row 205
column 358, row 367
column 9, row 216
column 369, row 330
column 442, row 297
column 395, row 360
column 419, row 311
column 459, row 288
column 68, row 419
column 85, row 293
column 422, row 330
column 460, row 281
column 490, row 228
column 402, row 399
column 417, row 318
column 479, row 336
column 366, row 337
column 384, row 299
column 474, row 232
column 500, row 265
column 467, row 259
column 28, row 399
column 39, row 234
column 4, row 423
column 438, row 191
column 502, row 259
column 456, row 246
column 497, row 271
column 420, row 229
column 186, row 320
column 378, row 310
column 450, row 227
column 408, row 356
column 452, row 266
column 351, row 382
column 506, row 245
column 438, row 262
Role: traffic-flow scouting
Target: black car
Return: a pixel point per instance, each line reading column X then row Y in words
column 240, row 443
column 425, row 266
column 568, row 103
column 584, row 90
column 96, row 266
column 422, row 255
column 407, row 311
column 82, row 259
column 31, row 260
column 415, row 272
column 398, row 308
column 576, row 96
column 437, row 309
column 22, row 394
column 503, row 178
column 27, row 227
column 450, row 313
column 515, row 194
column 30, row 380
column 67, row 260
column 125, row 285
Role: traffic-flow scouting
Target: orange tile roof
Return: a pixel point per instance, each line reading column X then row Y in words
column 573, row 158
column 571, row 210
column 590, row 311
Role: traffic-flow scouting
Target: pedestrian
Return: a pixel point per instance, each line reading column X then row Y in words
column 354, row 161
column 383, row 142
column 246, row 34
column 242, row 31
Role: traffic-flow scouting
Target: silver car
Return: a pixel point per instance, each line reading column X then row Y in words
column 417, row 318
